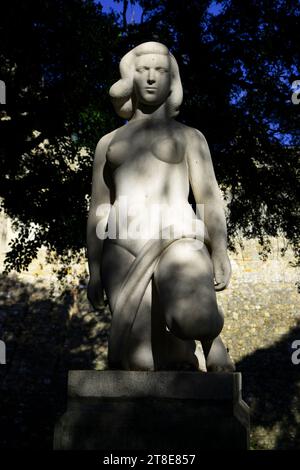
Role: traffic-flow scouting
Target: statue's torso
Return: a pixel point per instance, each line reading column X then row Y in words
column 149, row 172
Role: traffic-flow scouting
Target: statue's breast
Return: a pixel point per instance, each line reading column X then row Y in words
column 118, row 152
column 168, row 149
column 131, row 144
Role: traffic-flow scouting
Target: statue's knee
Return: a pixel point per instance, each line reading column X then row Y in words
column 187, row 325
column 212, row 325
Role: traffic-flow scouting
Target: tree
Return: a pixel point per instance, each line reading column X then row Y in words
column 237, row 69
column 237, row 61
column 57, row 60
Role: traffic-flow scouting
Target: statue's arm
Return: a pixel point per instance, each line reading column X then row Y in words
column 101, row 196
column 207, row 192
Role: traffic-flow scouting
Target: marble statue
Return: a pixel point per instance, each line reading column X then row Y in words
column 160, row 284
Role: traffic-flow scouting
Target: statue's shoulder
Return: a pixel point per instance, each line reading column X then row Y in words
column 104, row 142
column 192, row 134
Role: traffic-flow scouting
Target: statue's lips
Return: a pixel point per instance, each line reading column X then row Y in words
column 150, row 88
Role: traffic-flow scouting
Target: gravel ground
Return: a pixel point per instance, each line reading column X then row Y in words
column 48, row 332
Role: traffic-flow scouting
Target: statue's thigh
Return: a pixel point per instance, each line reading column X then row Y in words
column 115, row 266
column 184, row 269
column 116, row 262
column 184, row 281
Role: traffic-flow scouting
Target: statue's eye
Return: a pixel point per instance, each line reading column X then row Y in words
column 141, row 69
column 162, row 70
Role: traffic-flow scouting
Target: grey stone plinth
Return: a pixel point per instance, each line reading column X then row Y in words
column 161, row 411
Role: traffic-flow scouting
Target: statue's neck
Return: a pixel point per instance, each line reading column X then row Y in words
column 143, row 111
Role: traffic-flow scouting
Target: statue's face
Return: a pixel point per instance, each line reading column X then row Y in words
column 152, row 78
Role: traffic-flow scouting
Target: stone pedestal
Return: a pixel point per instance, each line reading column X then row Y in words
column 158, row 411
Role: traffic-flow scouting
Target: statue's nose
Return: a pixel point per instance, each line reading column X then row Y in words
column 151, row 77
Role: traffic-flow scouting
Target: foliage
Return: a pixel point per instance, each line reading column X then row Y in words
column 237, row 61
column 56, row 61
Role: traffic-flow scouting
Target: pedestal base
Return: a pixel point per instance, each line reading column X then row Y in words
column 158, row 411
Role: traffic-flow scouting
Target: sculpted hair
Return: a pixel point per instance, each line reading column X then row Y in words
column 122, row 91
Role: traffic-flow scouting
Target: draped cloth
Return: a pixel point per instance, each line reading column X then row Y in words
column 132, row 291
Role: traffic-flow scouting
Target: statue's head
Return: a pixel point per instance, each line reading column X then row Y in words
column 149, row 75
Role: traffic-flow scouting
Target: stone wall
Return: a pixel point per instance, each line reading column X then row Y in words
column 262, row 320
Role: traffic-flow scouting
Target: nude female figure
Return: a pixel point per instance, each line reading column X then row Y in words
column 153, row 159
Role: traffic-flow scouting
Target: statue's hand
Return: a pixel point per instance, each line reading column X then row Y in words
column 222, row 269
column 95, row 293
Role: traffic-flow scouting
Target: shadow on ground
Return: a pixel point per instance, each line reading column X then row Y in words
column 46, row 335
column 271, row 387
column 43, row 340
